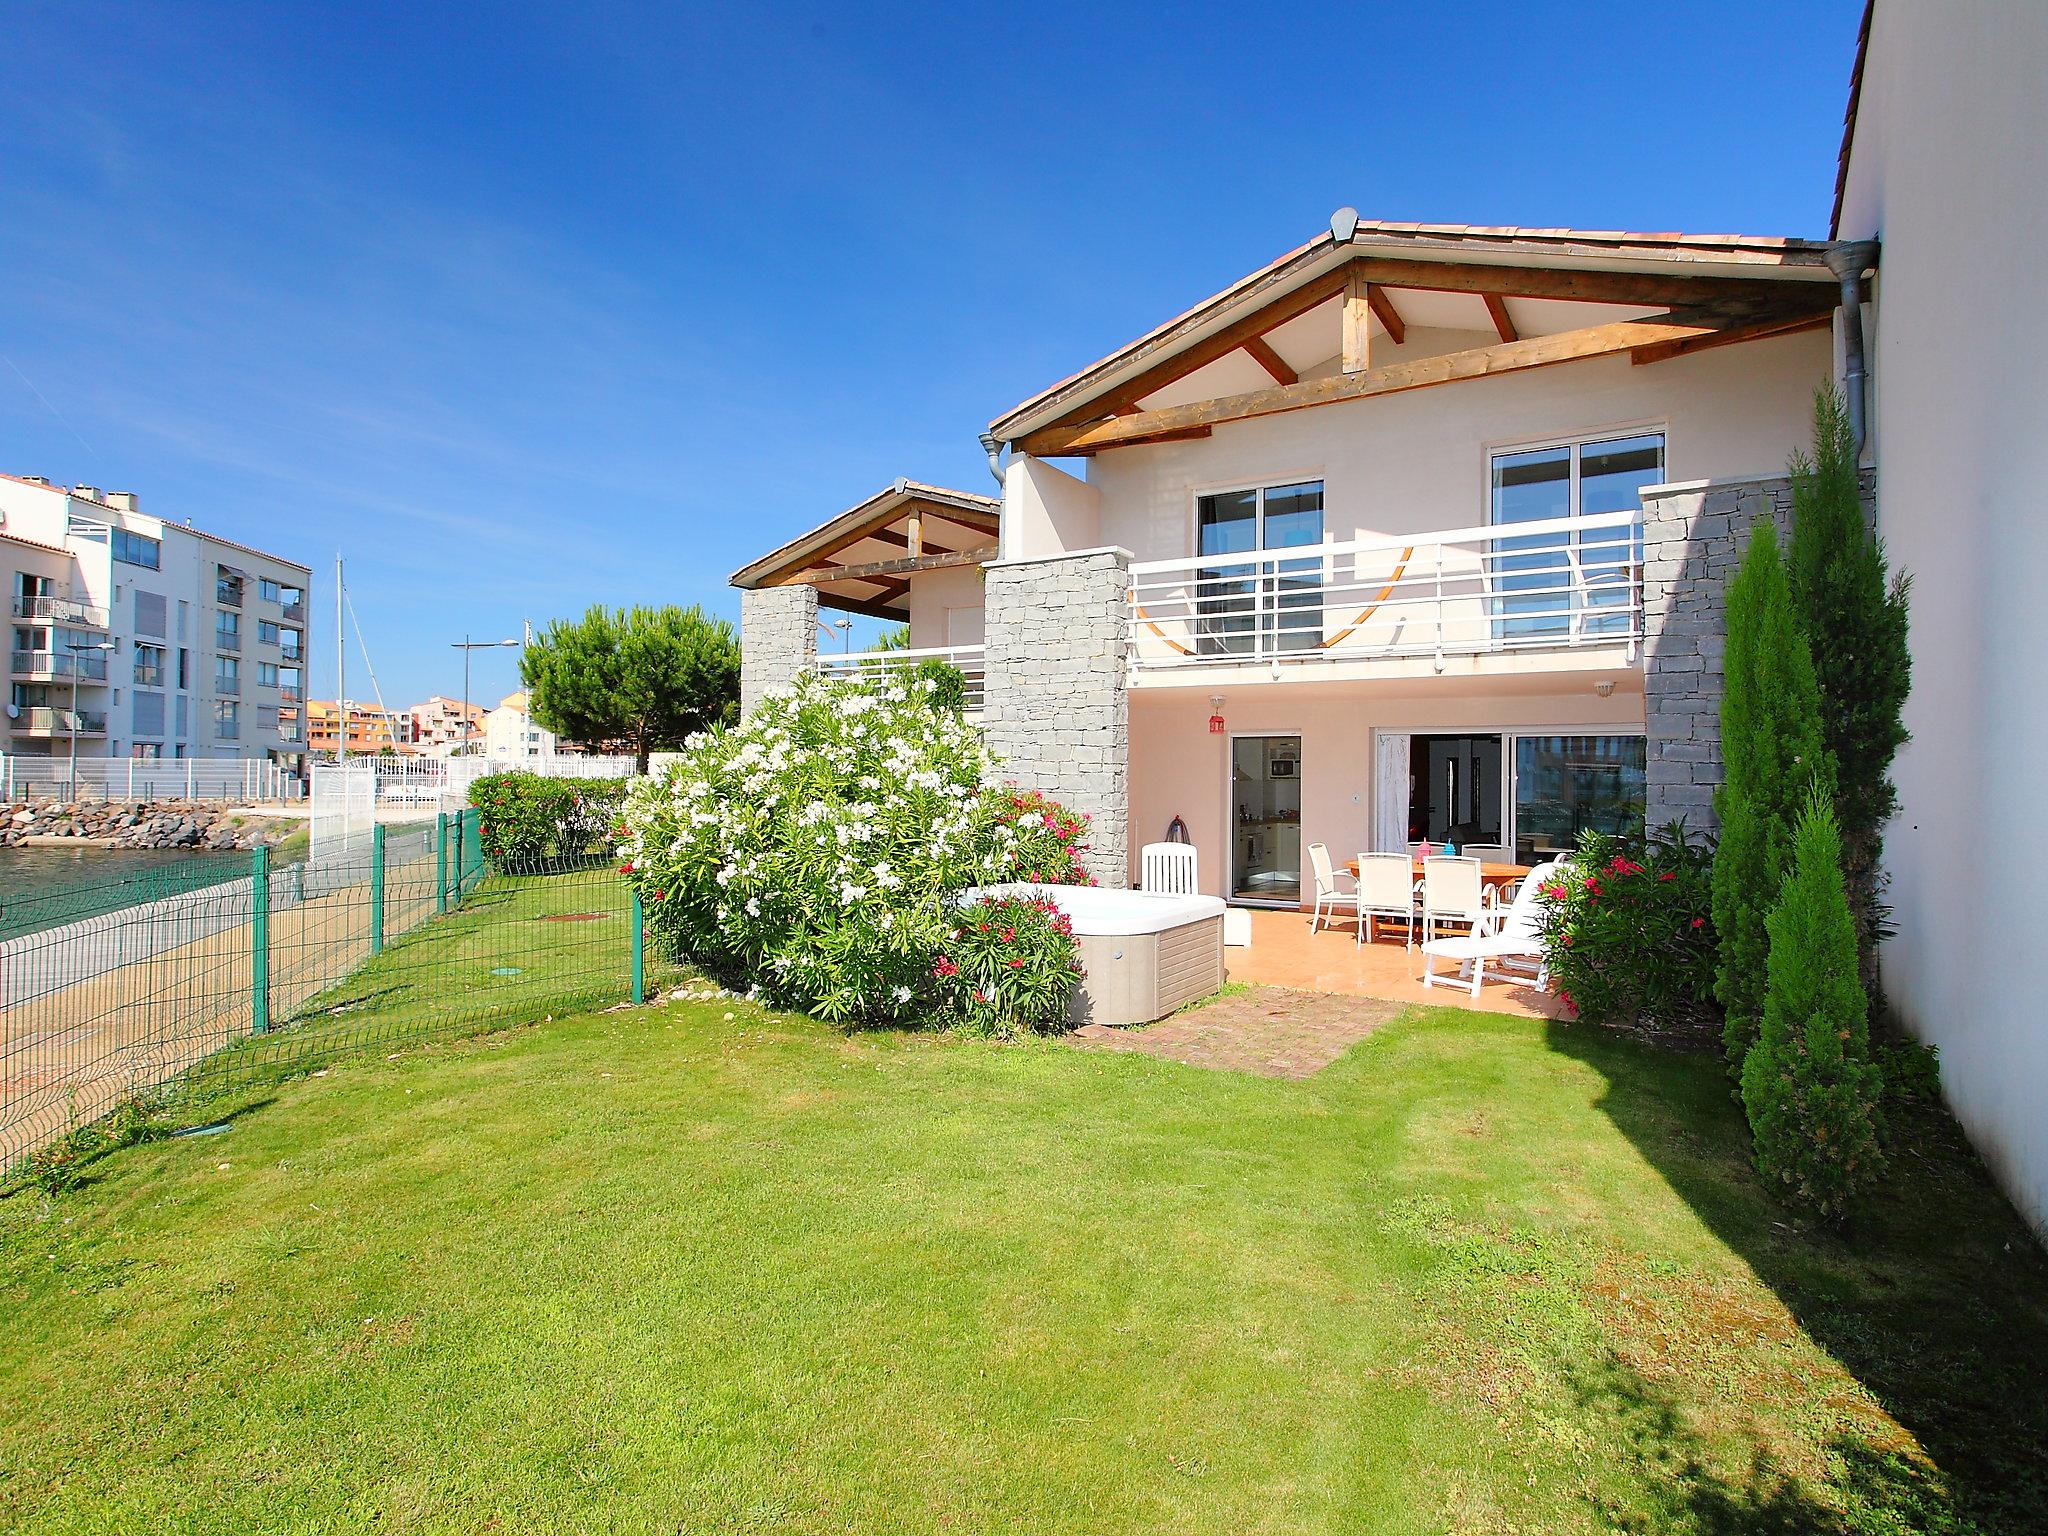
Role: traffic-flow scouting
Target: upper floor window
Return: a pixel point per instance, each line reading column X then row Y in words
column 1570, row 580
column 149, row 664
column 269, row 590
column 137, row 549
column 1256, row 606
column 227, row 586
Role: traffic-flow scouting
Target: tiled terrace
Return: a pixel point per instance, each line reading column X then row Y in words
column 1285, row 953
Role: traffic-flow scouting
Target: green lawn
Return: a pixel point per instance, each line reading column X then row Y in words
column 672, row 1271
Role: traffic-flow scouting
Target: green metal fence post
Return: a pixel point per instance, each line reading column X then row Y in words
column 639, row 944
column 377, row 889
column 441, row 862
column 259, row 941
column 473, row 846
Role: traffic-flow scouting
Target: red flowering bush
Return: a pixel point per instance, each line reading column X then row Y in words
column 1628, row 930
column 1042, row 839
column 1010, row 967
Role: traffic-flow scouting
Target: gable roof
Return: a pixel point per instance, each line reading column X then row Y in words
column 1849, row 118
column 1666, row 264
column 955, row 526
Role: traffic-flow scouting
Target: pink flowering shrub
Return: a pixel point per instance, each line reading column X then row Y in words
column 1628, row 931
column 1010, row 967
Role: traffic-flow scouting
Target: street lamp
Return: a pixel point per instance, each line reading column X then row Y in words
column 467, row 645
column 845, row 628
column 76, row 649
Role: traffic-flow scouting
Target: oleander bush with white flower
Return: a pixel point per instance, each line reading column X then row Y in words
column 814, row 850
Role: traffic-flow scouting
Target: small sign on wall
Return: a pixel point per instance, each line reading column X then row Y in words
column 1215, row 725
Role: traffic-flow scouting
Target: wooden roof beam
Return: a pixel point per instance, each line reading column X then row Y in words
column 1419, row 373
column 1390, row 317
column 908, row 565
column 1263, row 354
column 1503, row 322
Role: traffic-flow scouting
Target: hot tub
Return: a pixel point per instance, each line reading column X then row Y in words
column 1146, row 954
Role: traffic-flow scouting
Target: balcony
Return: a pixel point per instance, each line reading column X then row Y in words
column 877, row 664
column 227, row 730
column 228, row 593
column 227, row 687
column 1561, row 592
column 57, row 665
column 227, row 640
column 61, row 610
column 37, row 720
column 293, row 611
column 289, row 692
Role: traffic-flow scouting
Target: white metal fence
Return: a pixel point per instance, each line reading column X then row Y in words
column 1561, row 582
column 349, row 798
column 144, row 778
column 968, row 658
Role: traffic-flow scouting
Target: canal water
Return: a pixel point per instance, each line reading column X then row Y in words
column 48, row 887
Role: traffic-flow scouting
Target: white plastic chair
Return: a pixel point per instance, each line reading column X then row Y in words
column 1518, row 938
column 1386, row 889
column 1168, row 867
column 1452, row 891
column 1327, row 892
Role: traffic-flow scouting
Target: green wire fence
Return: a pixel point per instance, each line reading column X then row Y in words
column 237, row 974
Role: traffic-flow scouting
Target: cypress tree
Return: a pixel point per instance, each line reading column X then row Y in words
column 1808, row 1084
column 1853, row 611
column 1772, row 753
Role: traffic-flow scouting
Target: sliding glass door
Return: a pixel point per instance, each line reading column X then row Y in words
column 1553, row 585
column 1524, row 796
column 1566, row 785
column 1257, row 605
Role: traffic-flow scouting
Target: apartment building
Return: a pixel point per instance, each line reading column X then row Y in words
column 441, row 728
column 138, row 637
column 511, row 731
column 369, row 730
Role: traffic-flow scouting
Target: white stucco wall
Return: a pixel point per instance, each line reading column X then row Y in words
column 1948, row 169
column 1046, row 510
column 1417, row 461
column 932, row 593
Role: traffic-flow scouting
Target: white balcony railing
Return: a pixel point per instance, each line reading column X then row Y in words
column 968, row 658
column 61, row 610
column 39, row 720
column 89, row 669
column 1560, row 583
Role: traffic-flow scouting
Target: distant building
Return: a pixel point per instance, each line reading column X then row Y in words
column 510, row 731
column 181, row 643
column 438, row 728
column 370, row 729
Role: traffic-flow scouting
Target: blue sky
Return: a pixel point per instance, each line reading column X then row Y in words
column 525, row 307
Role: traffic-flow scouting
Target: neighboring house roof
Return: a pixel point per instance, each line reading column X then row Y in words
column 1664, row 267
column 1849, row 119
column 35, row 544
column 861, row 560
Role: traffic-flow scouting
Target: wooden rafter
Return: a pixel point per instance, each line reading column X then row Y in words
column 1419, row 373
column 1390, row 317
column 1262, row 353
column 1226, row 341
column 1661, row 351
column 862, row 605
column 873, row 570
column 1357, row 320
column 1503, row 322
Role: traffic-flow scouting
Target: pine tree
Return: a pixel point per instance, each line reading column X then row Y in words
column 1772, row 753
column 1808, row 1084
column 1854, row 614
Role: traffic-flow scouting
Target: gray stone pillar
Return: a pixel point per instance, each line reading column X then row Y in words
column 1057, row 704
column 778, row 639
column 1693, row 539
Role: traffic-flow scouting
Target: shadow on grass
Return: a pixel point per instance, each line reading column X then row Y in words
column 1935, row 1299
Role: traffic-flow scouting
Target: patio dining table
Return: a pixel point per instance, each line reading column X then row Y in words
column 1490, row 873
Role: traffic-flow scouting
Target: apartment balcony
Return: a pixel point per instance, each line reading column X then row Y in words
column 38, row 720
column 289, row 692
column 1557, row 595
column 223, row 640
column 293, row 613
column 56, row 666
column 879, row 664
column 227, row 730
column 227, row 687
column 228, row 594
column 292, row 656
column 60, row 610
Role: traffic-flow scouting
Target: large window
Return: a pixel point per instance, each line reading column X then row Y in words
column 227, row 631
column 1454, row 790
column 137, row 549
column 1575, row 583
column 149, row 664
column 1259, row 606
column 1565, row 785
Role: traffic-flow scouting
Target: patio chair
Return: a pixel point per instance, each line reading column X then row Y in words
column 1517, row 939
column 1452, row 891
column 1328, row 895
column 1168, row 867
column 1386, row 889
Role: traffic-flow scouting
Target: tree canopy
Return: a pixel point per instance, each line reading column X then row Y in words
column 636, row 680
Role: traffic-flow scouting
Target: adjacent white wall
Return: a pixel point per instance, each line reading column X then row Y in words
column 1948, row 169
column 1046, row 510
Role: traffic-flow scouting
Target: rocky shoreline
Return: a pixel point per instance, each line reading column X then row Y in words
column 153, row 824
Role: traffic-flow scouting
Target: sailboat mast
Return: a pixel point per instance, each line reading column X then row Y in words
column 340, row 672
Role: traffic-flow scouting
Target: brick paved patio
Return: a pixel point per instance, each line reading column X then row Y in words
column 1266, row 1031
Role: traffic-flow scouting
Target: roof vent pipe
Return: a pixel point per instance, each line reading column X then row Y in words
column 993, row 447
column 1849, row 260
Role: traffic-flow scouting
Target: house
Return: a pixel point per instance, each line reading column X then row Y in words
column 1943, row 171
column 510, row 731
column 180, row 643
column 1417, row 531
column 1422, row 531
